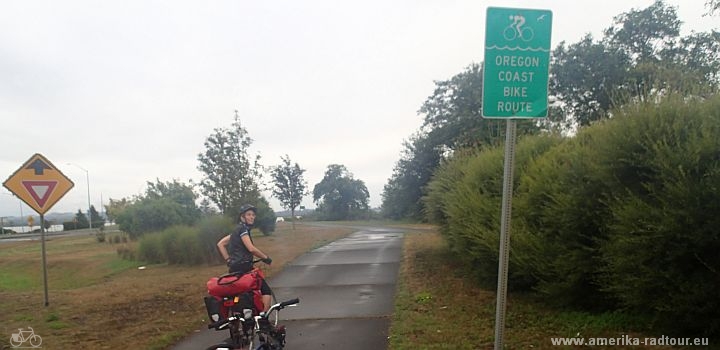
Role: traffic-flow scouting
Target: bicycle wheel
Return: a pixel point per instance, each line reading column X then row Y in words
column 35, row 341
column 268, row 342
column 14, row 343
column 509, row 33
column 221, row 347
column 273, row 344
column 527, row 34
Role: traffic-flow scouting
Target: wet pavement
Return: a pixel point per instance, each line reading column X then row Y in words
column 346, row 292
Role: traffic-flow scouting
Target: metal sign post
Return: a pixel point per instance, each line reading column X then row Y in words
column 506, row 214
column 44, row 258
column 40, row 185
column 515, row 86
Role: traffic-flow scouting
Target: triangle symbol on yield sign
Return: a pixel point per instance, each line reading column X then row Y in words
column 40, row 190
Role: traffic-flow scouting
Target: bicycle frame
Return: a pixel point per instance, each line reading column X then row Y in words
column 20, row 335
column 245, row 328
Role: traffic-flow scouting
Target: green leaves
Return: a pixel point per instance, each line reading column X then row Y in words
column 231, row 176
column 290, row 187
column 339, row 195
column 623, row 215
column 641, row 57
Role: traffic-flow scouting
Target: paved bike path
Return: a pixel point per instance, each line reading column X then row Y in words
column 346, row 292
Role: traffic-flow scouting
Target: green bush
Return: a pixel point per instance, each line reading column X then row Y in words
column 5, row 231
column 621, row 216
column 446, row 176
column 151, row 215
column 126, row 253
column 266, row 218
column 661, row 254
column 71, row 225
column 185, row 245
column 465, row 197
column 181, row 245
column 150, row 249
column 211, row 230
column 561, row 212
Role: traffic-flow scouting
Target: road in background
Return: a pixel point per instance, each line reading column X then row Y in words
column 346, row 292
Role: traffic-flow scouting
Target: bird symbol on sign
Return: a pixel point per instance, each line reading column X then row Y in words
column 541, row 18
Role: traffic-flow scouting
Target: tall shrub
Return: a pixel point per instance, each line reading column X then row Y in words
column 661, row 256
column 561, row 215
column 466, row 195
column 210, row 230
column 149, row 215
column 181, row 245
column 150, row 249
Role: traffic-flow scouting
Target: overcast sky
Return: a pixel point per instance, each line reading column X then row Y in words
column 130, row 90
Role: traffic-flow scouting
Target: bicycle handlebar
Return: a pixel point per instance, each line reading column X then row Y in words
column 282, row 305
column 289, row 302
column 220, row 324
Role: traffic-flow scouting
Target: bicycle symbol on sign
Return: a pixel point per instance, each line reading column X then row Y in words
column 22, row 336
column 516, row 29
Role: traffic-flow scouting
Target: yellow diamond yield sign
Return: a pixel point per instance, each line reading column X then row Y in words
column 38, row 183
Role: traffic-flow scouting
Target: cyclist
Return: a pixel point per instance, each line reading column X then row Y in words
column 238, row 250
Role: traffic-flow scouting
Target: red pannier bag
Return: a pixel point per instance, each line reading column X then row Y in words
column 234, row 285
column 239, row 292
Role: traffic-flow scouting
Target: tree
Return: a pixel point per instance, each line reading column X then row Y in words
column 81, row 219
column 339, row 196
column 641, row 57
column 583, row 76
column 265, row 219
column 712, row 6
column 290, row 187
column 206, row 208
column 453, row 120
column 231, row 176
column 643, row 34
column 97, row 221
column 164, row 204
column 149, row 215
column 402, row 193
column 115, row 207
column 180, row 193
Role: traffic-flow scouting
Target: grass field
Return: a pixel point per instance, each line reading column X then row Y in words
column 99, row 301
column 436, row 307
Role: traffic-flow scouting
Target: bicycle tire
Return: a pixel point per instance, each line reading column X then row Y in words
column 35, row 341
column 14, row 344
column 527, row 37
column 272, row 343
column 512, row 32
column 221, row 347
column 269, row 342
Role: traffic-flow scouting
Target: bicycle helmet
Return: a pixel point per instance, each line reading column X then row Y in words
column 247, row 207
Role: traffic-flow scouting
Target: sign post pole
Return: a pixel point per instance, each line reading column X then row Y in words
column 506, row 213
column 40, row 185
column 44, row 258
column 515, row 86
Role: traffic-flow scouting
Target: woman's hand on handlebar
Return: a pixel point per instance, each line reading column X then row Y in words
column 266, row 260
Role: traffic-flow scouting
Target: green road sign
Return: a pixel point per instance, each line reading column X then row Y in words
column 517, row 61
